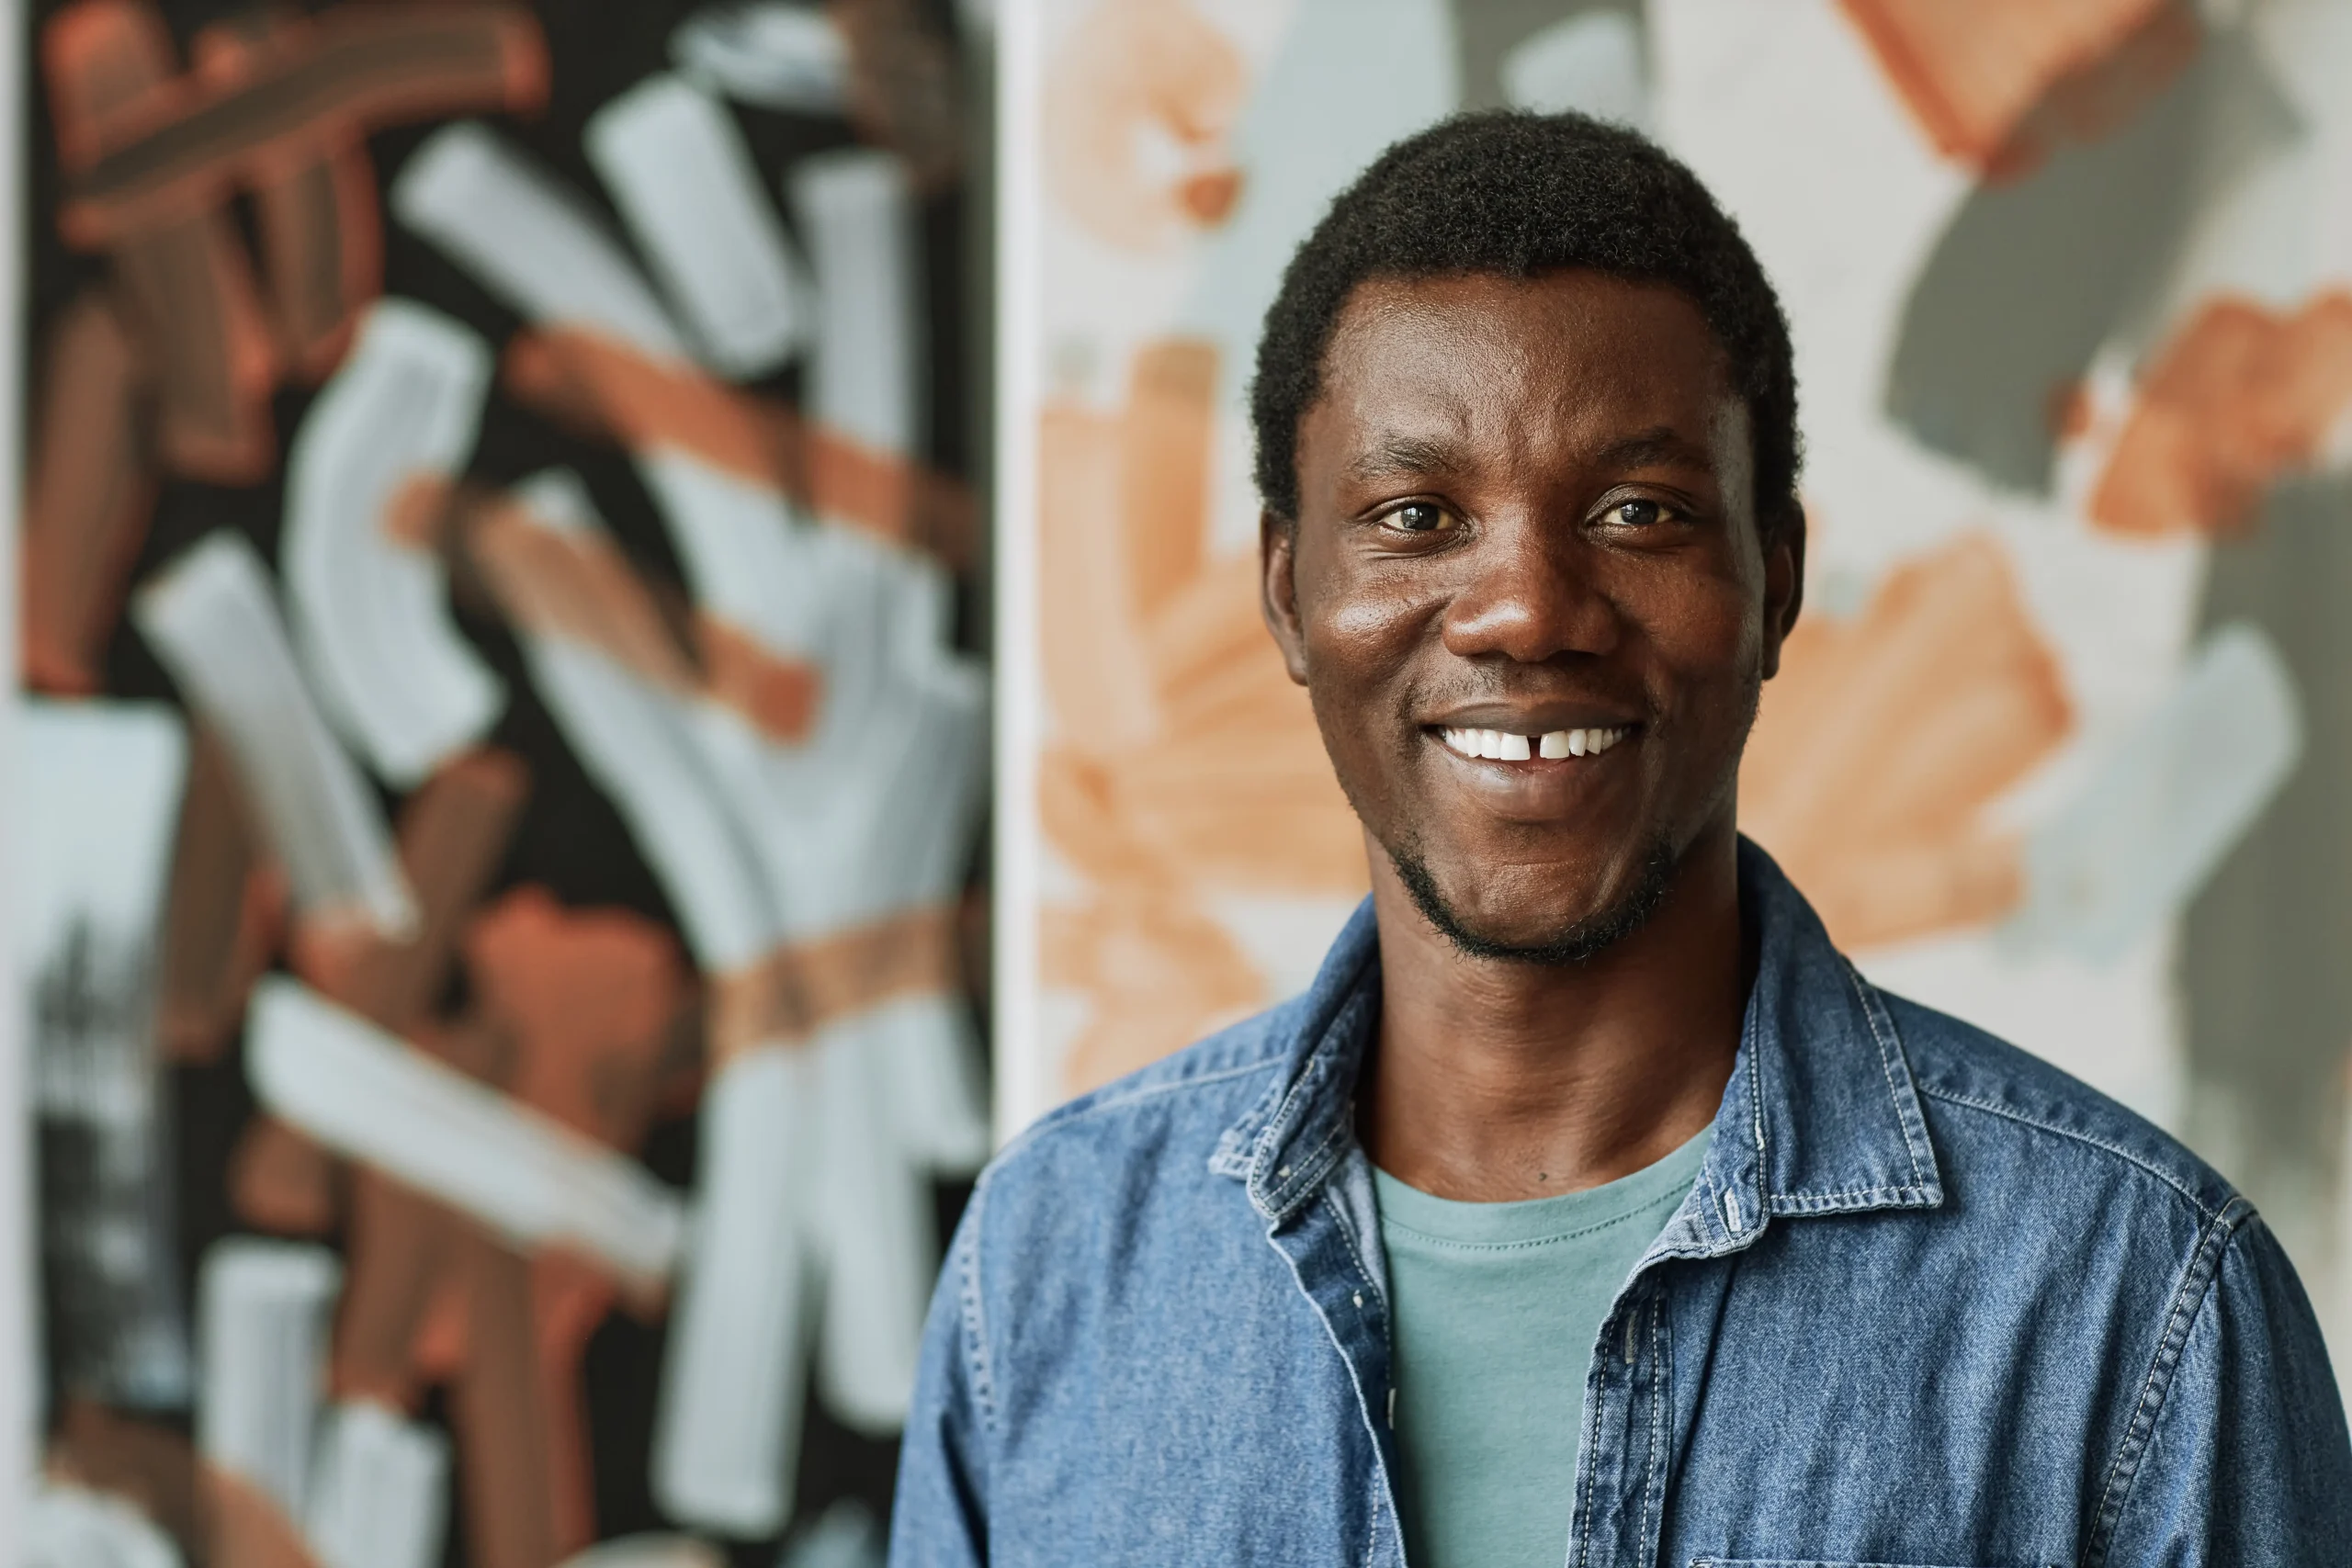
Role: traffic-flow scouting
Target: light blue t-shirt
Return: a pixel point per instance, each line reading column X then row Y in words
column 1495, row 1307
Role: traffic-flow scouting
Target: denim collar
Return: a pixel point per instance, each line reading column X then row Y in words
column 1820, row 1117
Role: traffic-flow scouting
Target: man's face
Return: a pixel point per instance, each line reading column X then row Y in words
column 1526, row 512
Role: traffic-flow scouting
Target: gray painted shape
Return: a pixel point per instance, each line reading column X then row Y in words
column 2267, row 979
column 2031, row 278
column 1489, row 30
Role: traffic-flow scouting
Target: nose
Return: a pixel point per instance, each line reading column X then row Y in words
column 1530, row 593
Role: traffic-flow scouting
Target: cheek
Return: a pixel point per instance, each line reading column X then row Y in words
column 1358, row 634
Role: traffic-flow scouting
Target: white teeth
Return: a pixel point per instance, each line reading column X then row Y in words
column 1504, row 746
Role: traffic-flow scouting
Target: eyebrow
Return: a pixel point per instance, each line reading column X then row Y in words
column 1659, row 447
column 1395, row 455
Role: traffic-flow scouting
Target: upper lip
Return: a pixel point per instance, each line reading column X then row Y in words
column 1531, row 718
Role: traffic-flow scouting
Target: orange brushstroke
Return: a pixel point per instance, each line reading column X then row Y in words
column 797, row 990
column 1185, row 761
column 281, row 1181
column 323, row 84
column 453, row 832
column 502, row 1421
column 225, row 912
column 1886, row 736
column 560, row 583
column 584, row 1003
column 1134, row 70
column 184, row 283
column 902, row 86
column 1156, row 970
column 587, row 999
column 245, row 1528
column 2239, row 396
column 92, row 488
column 2000, row 84
column 651, row 405
column 322, row 238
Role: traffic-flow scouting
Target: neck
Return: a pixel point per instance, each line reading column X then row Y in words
column 1496, row 1080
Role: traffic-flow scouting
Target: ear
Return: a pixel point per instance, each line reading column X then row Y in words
column 1278, row 589
column 1783, row 586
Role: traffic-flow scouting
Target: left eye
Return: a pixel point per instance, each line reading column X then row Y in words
column 1417, row 517
column 1638, row 513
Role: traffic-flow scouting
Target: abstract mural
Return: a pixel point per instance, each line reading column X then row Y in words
column 2063, row 741
column 503, row 765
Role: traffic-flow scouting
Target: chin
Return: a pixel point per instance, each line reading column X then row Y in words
column 1568, row 921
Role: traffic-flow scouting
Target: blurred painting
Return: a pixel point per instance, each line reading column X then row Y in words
column 2063, row 742
column 501, row 769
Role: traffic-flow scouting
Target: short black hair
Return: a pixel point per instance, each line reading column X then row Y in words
column 1520, row 194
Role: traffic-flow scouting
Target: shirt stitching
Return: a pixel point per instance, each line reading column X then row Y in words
column 976, row 1348
column 2189, row 1300
column 1659, row 1363
column 1589, row 1460
column 1886, row 1063
column 1055, row 1123
column 2010, row 1113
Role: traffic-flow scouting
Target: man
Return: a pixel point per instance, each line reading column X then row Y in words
column 1590, row 1208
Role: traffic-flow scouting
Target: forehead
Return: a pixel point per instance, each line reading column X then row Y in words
column 1550, row 363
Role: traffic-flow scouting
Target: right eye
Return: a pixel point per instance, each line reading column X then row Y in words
column 1417, row 517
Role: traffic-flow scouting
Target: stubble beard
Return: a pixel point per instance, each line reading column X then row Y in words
column 1579, row 942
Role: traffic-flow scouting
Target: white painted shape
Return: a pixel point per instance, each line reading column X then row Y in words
column 774, row 53
column 263, row 1312
column 856, row 213
column 2167, row 804
column 96, row 819
column 96, row 822
column 370, row 615
column 637, row 743
column 932, row 1063
column 872, row 1207
column 381, row 1498
column 727, row 1432
column 67, row 1527
column 370, row 1095
column 846, row 1535
column 1590, row 64
column 210, row 617
column 686, row 184
column 527, row 239
column 1350, row 78
column 741, row 548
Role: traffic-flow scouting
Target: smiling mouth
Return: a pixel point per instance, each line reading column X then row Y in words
column 1509, row 746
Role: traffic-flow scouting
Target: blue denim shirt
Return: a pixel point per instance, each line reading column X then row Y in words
column 1930, row 1302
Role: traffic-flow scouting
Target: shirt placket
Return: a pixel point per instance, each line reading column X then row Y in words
column 1621, row 1468
column 1326, row 1258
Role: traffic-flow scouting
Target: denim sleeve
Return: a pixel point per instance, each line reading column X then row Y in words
column 939, row 1514
column 2246, row 1463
